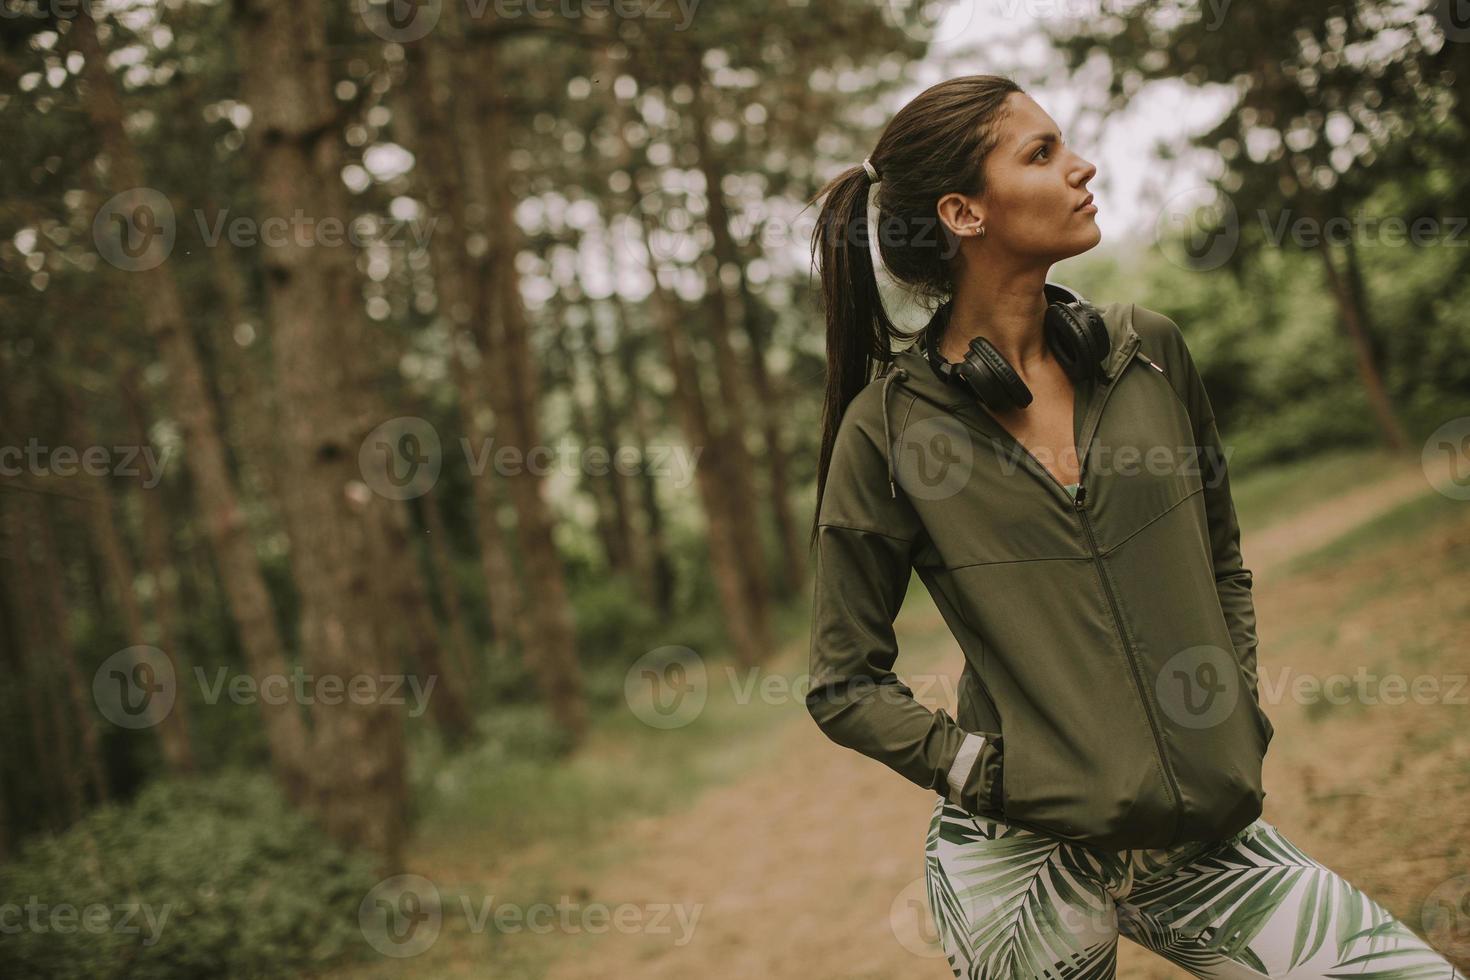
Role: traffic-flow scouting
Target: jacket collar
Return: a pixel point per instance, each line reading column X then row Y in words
column 911, row 370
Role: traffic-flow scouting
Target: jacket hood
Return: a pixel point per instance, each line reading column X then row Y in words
column 911, row 369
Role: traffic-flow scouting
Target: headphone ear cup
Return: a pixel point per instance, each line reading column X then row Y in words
column 991, row 377
column 1078, row 337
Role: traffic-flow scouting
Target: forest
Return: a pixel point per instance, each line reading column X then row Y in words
column 404, row 403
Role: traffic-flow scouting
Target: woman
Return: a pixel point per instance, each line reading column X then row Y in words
column 1054, row 473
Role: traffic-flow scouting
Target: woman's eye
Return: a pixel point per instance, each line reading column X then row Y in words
column 1040, row 151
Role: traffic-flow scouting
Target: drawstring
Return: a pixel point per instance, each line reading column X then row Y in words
column 887, row 441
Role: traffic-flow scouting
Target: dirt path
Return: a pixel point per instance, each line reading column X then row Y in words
column 813, row 868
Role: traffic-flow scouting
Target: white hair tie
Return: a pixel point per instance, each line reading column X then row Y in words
column 868, row 166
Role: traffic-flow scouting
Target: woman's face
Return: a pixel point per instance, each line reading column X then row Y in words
column 1034, row 185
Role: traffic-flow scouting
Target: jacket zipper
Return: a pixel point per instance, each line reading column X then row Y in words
column 1171, row 781
column 1079, row 504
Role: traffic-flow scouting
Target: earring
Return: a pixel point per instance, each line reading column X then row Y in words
column 982, row 231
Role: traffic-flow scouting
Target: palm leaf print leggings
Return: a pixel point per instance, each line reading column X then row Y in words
column 1014, row 904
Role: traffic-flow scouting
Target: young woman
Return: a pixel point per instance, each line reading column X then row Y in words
column 1054, row 473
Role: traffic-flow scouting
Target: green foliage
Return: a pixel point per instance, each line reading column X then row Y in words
column 213, row 877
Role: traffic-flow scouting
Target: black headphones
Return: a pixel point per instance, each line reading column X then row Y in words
column 1074, row 331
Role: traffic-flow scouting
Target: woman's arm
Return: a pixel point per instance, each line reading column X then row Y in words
column 865, row 545
column 1232, row 579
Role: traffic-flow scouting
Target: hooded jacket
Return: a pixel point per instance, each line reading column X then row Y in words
column 1109, row 691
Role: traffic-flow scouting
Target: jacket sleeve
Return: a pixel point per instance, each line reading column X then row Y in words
column 1233, row 579
column 866, row 539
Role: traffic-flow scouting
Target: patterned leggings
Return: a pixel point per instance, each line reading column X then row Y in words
column 1013, row 904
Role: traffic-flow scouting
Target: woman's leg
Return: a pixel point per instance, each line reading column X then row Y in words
column 1011, row 904
column 1256, row 906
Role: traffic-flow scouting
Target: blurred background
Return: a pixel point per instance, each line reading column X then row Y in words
column 408, row 436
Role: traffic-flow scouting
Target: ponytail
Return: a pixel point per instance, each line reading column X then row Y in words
column 857, row 324
column 935, row 145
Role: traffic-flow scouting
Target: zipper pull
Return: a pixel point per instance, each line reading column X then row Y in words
column 1081, row 498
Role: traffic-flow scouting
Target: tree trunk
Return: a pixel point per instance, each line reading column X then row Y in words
column 1353, row 318
column 59, row 777
column 162, row 306
column 662, row 581
column 612, row 527
column 727, row 370
column 743, row 622
column 53, row 601
column 158, row 558
column 356, row 780
column 443, row 565
column 511, row 384
column 436, row 119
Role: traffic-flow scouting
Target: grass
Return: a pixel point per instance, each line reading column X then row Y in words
column 1408, row 520
column 1268, row 496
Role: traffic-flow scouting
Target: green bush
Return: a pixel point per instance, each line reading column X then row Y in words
column 213, row 877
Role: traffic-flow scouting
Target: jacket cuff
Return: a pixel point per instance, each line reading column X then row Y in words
column 964, row 763
column 975, row 779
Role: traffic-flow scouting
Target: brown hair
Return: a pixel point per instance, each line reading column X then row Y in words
column 934, row 145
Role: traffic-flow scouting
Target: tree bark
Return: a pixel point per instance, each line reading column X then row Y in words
column 433, row 64
column 162, row 306
column 512, row 386
column 338, row 524
column 1353, row 319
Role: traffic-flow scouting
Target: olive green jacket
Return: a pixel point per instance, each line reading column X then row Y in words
column 1109, row 691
